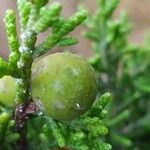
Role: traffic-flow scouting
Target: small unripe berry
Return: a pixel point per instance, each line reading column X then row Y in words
column 7, row 91
column 65, row 84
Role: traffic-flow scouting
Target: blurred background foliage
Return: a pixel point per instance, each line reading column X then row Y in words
column 123, row 69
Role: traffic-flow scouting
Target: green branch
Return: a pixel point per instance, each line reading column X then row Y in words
column 66, row 27
column 28, row 39
column 24, row 8
column 47, row 17
column 13, row 42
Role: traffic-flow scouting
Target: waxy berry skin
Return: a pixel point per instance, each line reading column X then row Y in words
column 65, row 84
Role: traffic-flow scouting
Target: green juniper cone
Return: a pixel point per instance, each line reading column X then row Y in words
column 65, row 84
column 17, row 129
